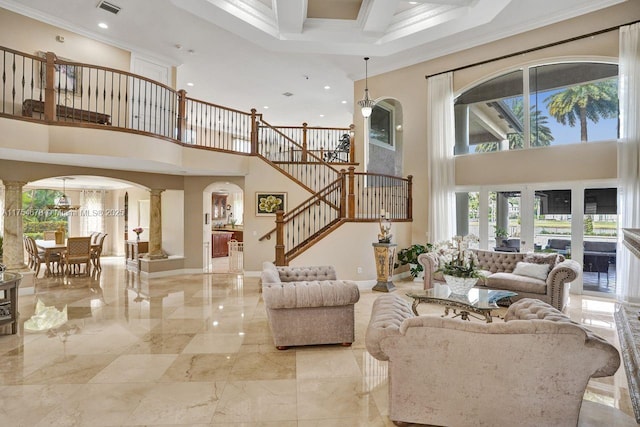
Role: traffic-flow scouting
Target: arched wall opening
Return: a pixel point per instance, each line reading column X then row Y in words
column 223, row 211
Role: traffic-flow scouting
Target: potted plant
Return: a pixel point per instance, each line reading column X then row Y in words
column 410, row 256
column 501, row 236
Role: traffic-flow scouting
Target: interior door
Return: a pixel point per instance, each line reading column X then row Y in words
column 147, row 101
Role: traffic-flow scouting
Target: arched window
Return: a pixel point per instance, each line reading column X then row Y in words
column 385, row 138
column 539, row 106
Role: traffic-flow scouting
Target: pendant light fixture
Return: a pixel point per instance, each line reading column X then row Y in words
column 366, row 104
column 63, row 203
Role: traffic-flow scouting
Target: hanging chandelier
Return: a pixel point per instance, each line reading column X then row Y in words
column 63, row 203
column 366, row 104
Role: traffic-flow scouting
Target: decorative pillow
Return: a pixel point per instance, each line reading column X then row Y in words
column 537, row 271
column 269, row 273
column 541, row 258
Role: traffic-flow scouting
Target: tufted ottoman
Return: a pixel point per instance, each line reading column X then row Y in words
column 308, row 305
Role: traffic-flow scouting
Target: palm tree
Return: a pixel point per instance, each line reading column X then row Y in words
column 591, row 101
column 540, row 133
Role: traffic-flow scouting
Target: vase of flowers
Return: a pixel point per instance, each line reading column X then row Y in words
column 137, row 230
column 458, row 263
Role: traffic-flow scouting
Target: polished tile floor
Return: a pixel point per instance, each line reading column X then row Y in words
column 195, row 350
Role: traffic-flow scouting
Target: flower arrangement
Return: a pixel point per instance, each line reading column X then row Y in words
column 137, row 230
column 456, row 259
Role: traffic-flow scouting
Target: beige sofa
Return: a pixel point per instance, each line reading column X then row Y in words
column 498, row 271
column 531, row 369
column 308, row 305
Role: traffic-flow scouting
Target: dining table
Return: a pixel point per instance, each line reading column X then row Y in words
column 51, row 247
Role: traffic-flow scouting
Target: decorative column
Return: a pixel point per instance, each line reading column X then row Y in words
column 155, row 226
column 502, row 211
column 13, row 247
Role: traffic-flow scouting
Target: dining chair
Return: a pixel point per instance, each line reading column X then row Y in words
column 49, row 235
column 37, row 256
column 78, row 252
column 94, row 237
column 29, row 251
column 96, row 251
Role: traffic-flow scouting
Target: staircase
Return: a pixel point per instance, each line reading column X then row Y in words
column 109, row 99
column 337, row 196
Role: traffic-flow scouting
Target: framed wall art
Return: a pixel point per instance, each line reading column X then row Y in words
column 67, row 77
column 267, row 203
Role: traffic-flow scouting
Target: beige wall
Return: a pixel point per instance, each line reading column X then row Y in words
column 28, row 35
column 408, row 85
column 263, row 177
column 196, row 232
column 351, row 247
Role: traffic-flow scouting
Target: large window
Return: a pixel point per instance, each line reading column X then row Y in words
column 565, row 103
column 578, row 220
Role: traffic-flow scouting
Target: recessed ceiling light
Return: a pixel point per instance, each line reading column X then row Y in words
column 413, row 2
column 103, row 25
column 266, row 107
column 327, row 87
column 344, row 102
column 321, row 115
column 189, row 84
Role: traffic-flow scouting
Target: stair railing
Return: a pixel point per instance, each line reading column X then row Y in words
column 292, row 158
column 324, row 142
column 301, row 227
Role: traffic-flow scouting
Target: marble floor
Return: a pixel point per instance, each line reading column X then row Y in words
column 195, row 350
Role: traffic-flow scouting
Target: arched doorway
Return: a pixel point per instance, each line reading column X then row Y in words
column 223, row 232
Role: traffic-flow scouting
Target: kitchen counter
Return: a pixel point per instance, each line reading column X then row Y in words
column 220, row 238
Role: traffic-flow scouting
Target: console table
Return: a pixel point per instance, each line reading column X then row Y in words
column 133, row 250
column 64, row 112
column 9, row 283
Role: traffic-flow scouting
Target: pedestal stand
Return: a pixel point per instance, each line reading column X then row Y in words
column 384, row 254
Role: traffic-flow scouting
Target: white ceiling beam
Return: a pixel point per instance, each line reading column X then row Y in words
column 290, row 15
column 378, row 14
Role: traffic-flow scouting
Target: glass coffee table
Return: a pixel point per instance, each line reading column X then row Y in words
column 478, row 301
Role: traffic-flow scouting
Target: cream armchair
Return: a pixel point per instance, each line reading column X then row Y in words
column 308, row 305
column 530, row 370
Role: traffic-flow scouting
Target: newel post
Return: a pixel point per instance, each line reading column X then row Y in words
column 49, row 89
column 352, row 195
column 343, row 193
column 182, row 113
column 304, row 143
column 410, row 197
column 280, row 261
column 254, row 132
column 352, row 146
